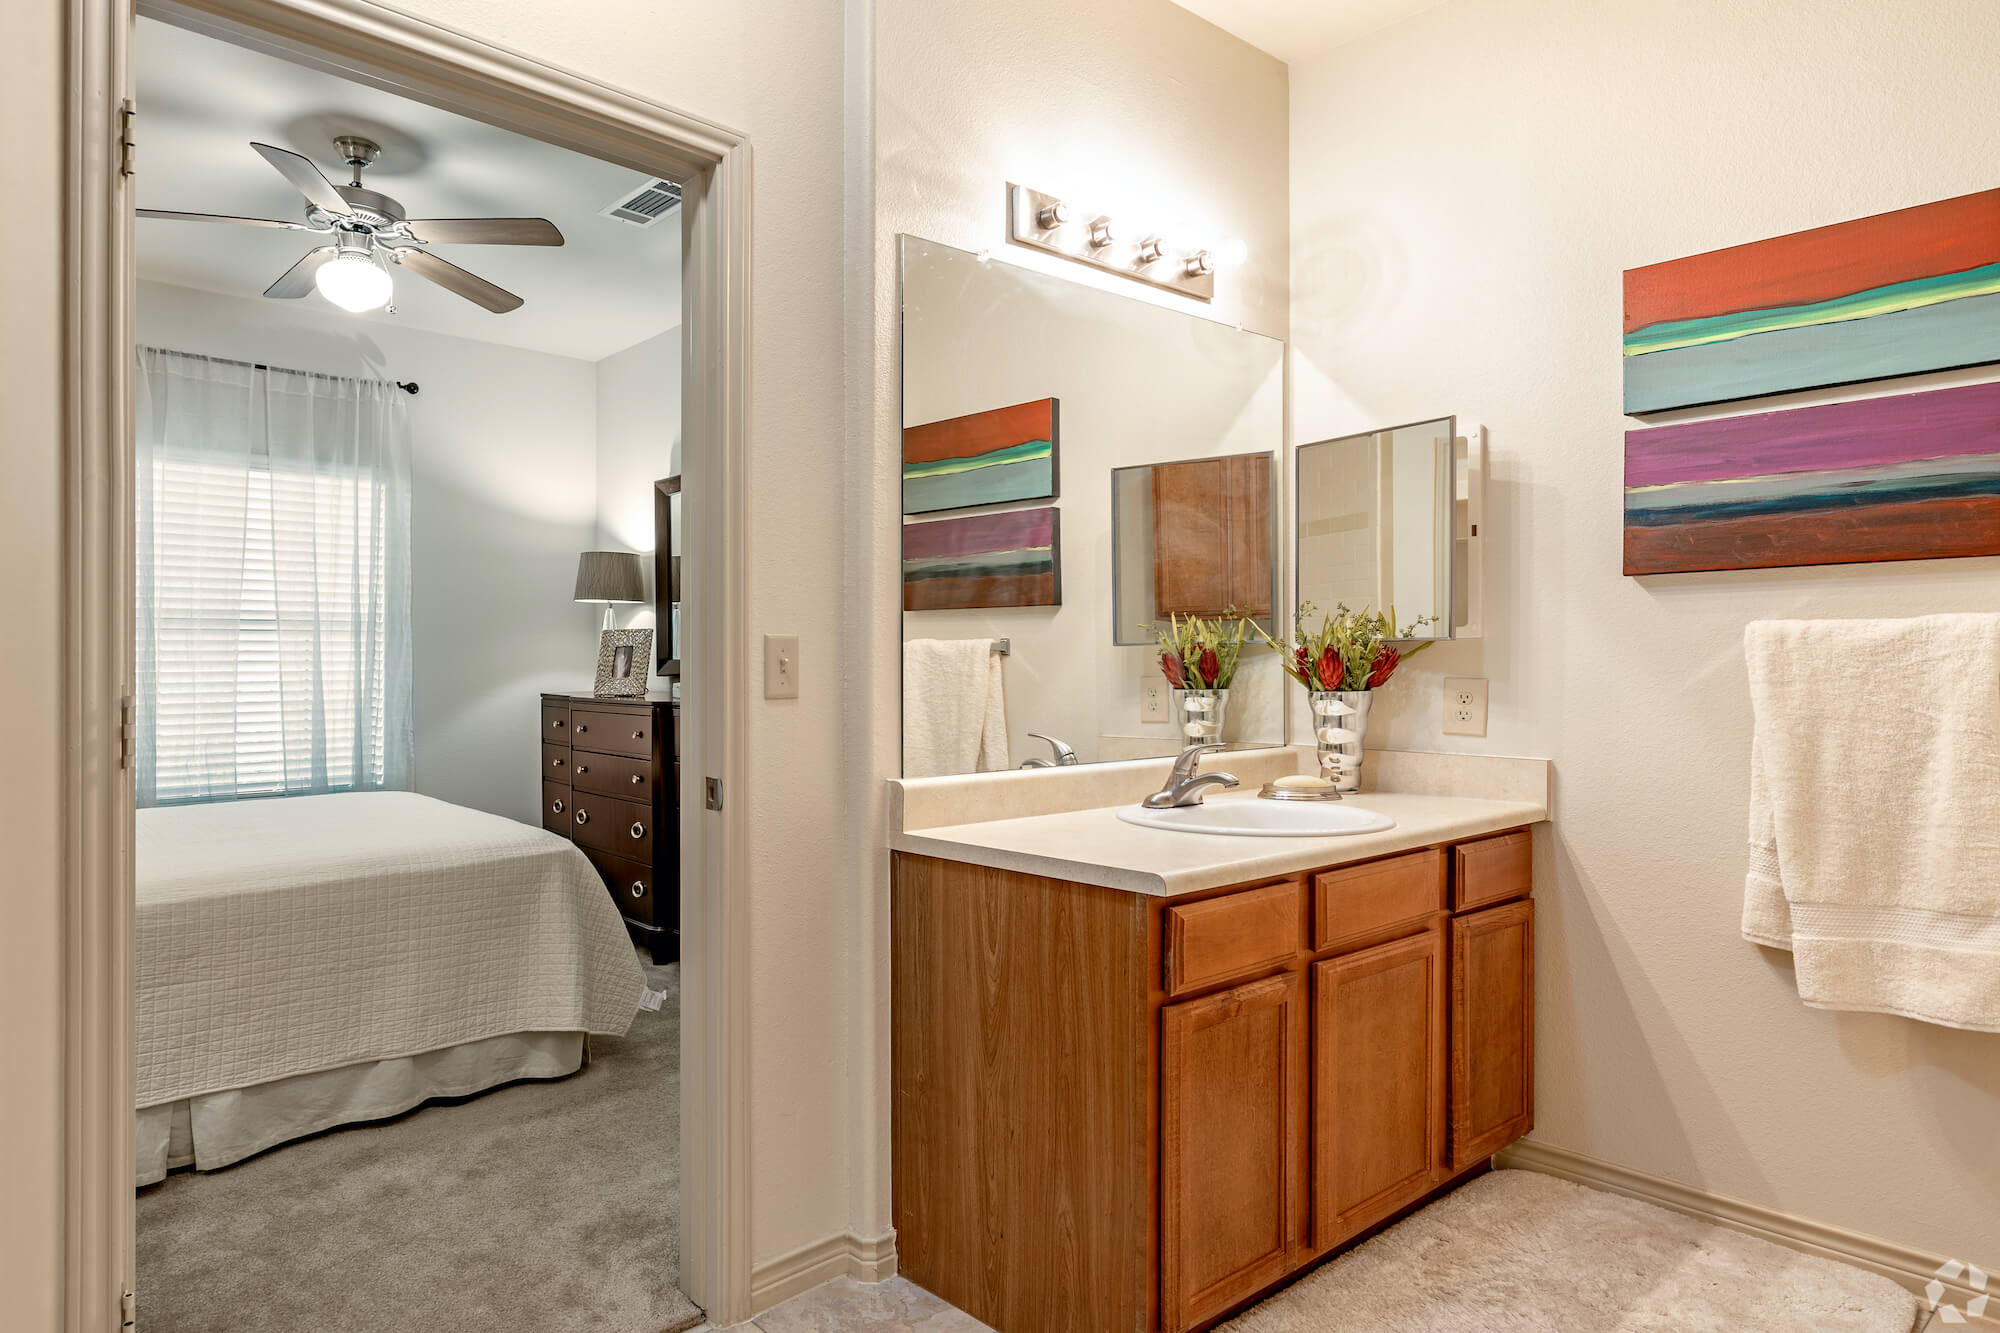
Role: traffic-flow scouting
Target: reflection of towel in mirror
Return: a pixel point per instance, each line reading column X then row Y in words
column 954, row 712
column 1875, row 812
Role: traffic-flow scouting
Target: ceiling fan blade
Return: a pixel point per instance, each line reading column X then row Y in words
column 306, row 178
column 485, row 231
column 298, row 279
column 455, row 279
column 175, row 216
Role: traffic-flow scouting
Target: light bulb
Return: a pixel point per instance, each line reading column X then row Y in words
column 353, row 281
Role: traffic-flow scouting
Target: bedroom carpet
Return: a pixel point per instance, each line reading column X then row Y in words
column 1516, row 1251
column 535, row 1208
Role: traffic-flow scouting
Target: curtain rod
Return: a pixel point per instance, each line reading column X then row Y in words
column 407, row 386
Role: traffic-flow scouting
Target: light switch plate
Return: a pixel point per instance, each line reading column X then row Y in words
column 1153, row 700
column 1464, row 706
column 781, row 666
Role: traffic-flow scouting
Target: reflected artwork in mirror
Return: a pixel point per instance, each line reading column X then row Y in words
column 1374, row 522
column 1128, row 452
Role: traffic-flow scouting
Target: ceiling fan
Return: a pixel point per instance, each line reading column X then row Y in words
column 370, row 231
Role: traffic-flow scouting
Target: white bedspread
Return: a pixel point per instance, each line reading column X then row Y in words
column 279, row 937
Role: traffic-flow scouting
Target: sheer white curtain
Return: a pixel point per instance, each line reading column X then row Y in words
column 273, row 583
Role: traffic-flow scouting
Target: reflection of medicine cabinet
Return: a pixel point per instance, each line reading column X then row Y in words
column 1212, row 537
column 1468, row 546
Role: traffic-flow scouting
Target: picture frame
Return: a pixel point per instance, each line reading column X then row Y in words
column 624, row 661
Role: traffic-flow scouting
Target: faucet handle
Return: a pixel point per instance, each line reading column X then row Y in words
column 1065, row 754
column 1184, row 764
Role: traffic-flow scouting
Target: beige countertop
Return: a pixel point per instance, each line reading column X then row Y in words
column 1096, row 847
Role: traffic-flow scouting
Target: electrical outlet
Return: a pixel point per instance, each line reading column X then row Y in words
column 781, row 666
column 1153, row 700
column 1464, row 706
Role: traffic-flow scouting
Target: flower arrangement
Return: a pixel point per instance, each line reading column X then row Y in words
column 1197, row 654
column 1349, row 651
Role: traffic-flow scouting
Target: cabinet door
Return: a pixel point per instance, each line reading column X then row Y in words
column 1232, row 1146
column 1492, row 1030
column 1378, row 1083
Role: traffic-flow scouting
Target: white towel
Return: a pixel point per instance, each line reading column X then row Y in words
column 1875, row 812
column 954, row 708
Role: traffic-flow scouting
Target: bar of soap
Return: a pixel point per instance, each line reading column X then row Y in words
column 1301, row 782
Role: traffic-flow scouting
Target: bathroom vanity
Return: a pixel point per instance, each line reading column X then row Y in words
column 1133, row 1092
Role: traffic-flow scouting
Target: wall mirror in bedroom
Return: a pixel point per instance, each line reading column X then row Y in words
column 397, row 450
column 1080, row 470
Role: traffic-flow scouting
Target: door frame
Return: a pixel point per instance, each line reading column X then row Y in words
column 379, row 46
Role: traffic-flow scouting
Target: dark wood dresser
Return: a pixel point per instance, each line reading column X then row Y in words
column 611, row 784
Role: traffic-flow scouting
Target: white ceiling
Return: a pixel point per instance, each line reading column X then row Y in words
column 1297, row 30
column 202, row 101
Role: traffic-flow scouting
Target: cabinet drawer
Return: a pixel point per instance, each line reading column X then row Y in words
column 1361, row 904
column 630, row 882
column 612, row 775
column 555, row 807
column 613, row 731
column 1226, row 939
column 1492, row 870
column 555, row 722
column 622, row 828
column 556, row 763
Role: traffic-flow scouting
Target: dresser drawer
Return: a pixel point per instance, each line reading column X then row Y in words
column 1219, row 940
column 555, row 807
column 555, row 722
column 1373, row 901
column 631, row 885
column 555, row 763
column 608, row 825
column 1492, row 870
column 613, row 731
column 613, row 775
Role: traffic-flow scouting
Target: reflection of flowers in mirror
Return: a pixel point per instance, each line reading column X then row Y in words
column 1200, row 654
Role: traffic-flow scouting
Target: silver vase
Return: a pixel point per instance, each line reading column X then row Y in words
column 1199, row 714
column 1340, row 723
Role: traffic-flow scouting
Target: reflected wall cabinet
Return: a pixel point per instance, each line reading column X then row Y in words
column 1212, row 536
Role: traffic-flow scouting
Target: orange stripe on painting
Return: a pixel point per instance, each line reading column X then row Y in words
column 1807, row 266
column 980, row 433
column 1923, row 530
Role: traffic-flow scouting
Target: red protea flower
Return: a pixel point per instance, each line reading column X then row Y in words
column 1382, row 667
column 1332, row 671
column 1170, row 667
column 1211, row 667
column 1305, row 663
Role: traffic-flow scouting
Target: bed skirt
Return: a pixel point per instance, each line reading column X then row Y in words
column 221, row 1128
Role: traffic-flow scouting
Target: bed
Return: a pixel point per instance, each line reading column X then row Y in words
column 311, row 961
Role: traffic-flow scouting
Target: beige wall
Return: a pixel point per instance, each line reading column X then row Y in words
column 30, row 824
column 1466, row 189
column 1132, row 105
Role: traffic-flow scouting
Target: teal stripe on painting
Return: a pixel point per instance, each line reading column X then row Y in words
column 1029, row 480
column 1013, row 453
column 1883, row 481
column 1906, row 491
column 1914, row 294
column 1907, row 342
column 915, row 572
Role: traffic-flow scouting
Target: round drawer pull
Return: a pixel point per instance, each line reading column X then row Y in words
column 583, row 816
column 637, row 778
column 581, row 728
column 555, row 763
column 581, row 768
column 557, row 807
column 557, row 723
column 638, row 735
column 638, row 888
column 638, row 830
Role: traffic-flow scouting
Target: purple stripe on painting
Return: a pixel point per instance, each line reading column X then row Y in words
column 1869, row 432
column 1010, row 531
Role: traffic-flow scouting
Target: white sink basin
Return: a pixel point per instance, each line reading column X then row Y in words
column 1257, row 818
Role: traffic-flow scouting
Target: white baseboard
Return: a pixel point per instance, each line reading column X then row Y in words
column 1908, row 1268
column 842, row 1254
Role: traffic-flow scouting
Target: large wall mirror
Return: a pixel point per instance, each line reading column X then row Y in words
column 1077, row 466
column 1375, row 523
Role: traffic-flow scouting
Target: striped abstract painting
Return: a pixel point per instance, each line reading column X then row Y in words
column 1908, row 477
column 1896, row 294
column 1008, row 559
column 987, row 458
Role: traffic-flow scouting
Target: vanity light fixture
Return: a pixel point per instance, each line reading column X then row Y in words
column 1044, row 222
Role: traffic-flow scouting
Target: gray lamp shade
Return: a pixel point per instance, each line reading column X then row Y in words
column 610, row 576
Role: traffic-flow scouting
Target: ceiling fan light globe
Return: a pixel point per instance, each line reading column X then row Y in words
column 354, row 282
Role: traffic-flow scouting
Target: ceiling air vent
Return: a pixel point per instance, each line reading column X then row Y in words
column 645, row 205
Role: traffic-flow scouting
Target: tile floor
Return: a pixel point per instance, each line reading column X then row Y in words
column 846, row 1306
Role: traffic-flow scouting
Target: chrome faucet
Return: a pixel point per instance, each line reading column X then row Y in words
column 1185, row 787
column 1065, row 755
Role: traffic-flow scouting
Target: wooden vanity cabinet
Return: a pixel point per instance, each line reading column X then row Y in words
column 1115, row 1112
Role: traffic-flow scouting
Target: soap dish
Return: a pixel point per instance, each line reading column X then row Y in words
column 1273, row 792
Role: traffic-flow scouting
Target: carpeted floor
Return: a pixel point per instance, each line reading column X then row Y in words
column 536, row 1208
column 1515, row 1251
